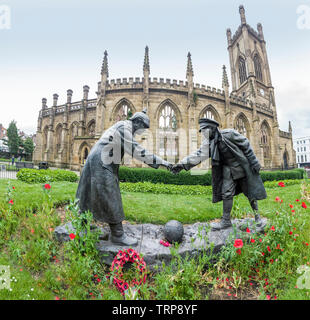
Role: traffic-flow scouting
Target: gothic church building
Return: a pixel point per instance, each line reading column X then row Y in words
column 66, row 132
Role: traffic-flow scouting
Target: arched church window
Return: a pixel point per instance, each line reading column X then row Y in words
column 258, row 68
column 208, row 114
column 168, row 136
column 124, row 112
column 91, row 129
column 242, row 70
column 265, row 140
column 240, row 126
column 167, row 118
column 58, row 138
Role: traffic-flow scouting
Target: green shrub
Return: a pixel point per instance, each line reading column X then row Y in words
column 186, row 178
column 42, row 176
column 159, row 188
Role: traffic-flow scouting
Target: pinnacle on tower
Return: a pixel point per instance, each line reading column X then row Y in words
column 104, row 69
column 225, row 82
column 189, row 71
column 242, row 14
column 146, row 64
column 290, row 126
column 252, row 90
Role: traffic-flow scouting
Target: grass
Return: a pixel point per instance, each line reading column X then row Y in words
column 41, row 268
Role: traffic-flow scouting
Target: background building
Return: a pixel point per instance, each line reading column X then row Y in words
column 66, row 132
column 302, row 147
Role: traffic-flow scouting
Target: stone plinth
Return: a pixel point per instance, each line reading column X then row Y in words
column 197, row 238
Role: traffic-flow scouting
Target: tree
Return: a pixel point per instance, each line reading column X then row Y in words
column 13, row 140
column 28, row 146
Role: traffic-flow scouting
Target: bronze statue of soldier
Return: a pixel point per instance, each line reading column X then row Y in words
column 235, row 169
column 98, row 190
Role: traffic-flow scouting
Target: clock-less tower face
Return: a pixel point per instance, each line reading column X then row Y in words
column 249, row 62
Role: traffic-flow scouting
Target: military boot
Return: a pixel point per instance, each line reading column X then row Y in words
column 258, row 220
column 225, row 222
column 118, row 236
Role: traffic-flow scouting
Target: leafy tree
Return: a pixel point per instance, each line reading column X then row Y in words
column 28, row 146
column 13, row 140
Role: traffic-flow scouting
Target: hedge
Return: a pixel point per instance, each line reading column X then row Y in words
column 159, row 188
column 186, row 178
column 42, row 176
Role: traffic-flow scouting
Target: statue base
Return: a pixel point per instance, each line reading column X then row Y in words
column 197, row 238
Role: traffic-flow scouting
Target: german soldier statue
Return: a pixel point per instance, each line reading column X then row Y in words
column 98, row 189
column 235, row 168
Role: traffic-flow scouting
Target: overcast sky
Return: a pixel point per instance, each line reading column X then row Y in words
column 55, row 45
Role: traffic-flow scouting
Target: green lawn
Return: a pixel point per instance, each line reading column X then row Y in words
column 41, row 268
column 143, row 207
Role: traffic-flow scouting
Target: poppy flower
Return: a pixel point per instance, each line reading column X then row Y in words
column 98, row 279
column 304, row 205
column 248, row 230
column 32, row 230
column 260, row 240
column 272, row 228
column 11, row 202
column 290, row 233
column 238, row 251
column 277, row 199
column 297, row 200
column 72, row 236
column 252, row 240
column 238, row 243
column 293, row 211
column 281, row 184
column 291, row 206
column 263, row 253
column 268, row 248
column 13, row 188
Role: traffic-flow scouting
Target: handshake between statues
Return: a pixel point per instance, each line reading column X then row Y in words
column 173, row 168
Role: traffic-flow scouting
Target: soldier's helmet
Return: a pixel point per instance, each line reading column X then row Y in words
column 143, row 117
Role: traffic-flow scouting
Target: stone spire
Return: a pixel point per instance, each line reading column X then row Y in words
column 146, row 78
column 225, row 82
column 104, row 68
column 189, row 70
column 290, row 127
column 242, row 14
column 260, row 31
column 146, row 64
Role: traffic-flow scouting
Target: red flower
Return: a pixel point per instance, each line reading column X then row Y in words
column 297, row 200
column 271, row 260
column 98, row 280
column 306, row 243
column 47, row 186
column 13, row 188
column 32, row 230
column 304, row 205
column 277, row 199
column 165, row 244
column 268, row 297
column 272, row 228
column 252, row 240
column 268, row 248
column 260, row 240
column 57, row 298
column 291, row 206
column 281, row 201
column 72, row 236
column 238, row 251
column 11, row 202
column 281, row 184
column 238, row 243
column 263, row 253
column 293, row 211
column 290, row 233
column 248, row 230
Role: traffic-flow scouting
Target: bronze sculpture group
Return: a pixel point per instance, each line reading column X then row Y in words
column 235, row 169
